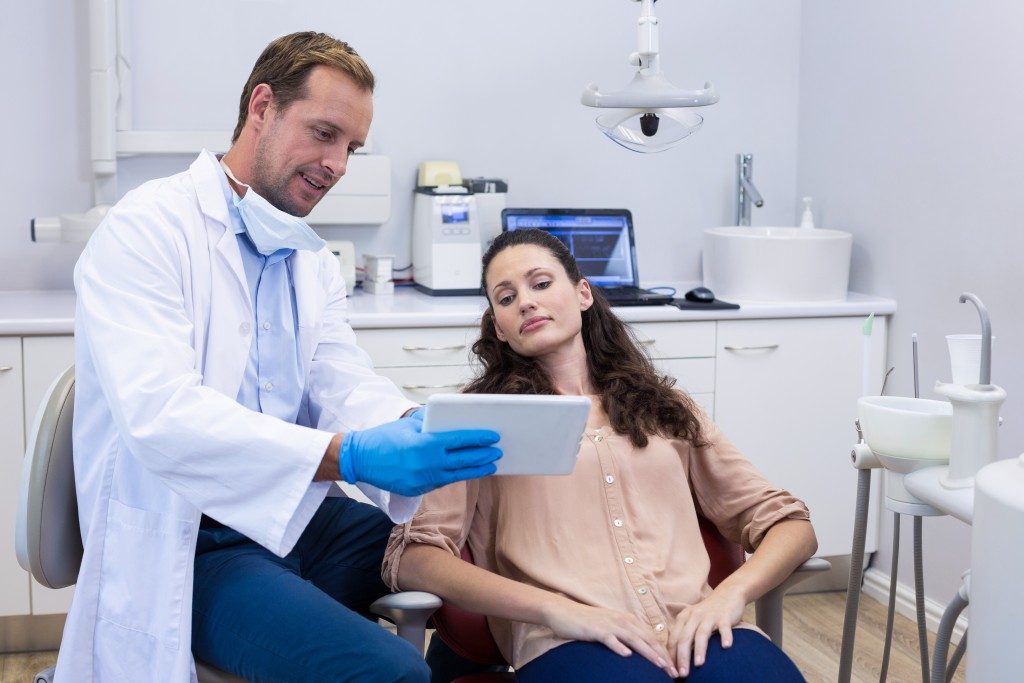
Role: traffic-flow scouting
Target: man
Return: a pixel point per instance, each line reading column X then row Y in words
column 219, row 395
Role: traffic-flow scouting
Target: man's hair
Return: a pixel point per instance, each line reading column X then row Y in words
column 285, row 65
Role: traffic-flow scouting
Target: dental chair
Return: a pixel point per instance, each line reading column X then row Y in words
column 47, row 538
column 467, row 634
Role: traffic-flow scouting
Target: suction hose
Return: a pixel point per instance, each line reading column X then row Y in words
column 958, row 654
column 860, row 525
column 922, row 631
column 949, row 617
column 892, row 597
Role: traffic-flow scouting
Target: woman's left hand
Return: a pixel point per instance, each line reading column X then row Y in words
column 720, row 611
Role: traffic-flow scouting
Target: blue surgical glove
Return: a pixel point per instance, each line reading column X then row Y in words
column 400, row 457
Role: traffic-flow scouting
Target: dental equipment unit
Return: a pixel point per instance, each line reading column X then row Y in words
column 939, row 458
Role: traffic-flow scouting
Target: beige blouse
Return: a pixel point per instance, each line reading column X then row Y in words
column 619, row 532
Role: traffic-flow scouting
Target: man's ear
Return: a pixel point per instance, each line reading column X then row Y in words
column 261, row 104
column 584, row 294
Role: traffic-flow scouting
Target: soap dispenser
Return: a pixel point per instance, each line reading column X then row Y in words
column 807, row 218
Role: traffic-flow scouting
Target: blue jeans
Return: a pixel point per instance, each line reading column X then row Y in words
column 300, row 617
column 751, row 659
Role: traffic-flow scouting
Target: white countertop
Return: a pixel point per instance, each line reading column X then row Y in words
column 52, row 312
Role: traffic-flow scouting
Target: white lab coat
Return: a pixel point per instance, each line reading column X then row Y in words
column 162, row 332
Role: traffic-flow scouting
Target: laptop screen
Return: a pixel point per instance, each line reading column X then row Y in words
column 600, row 239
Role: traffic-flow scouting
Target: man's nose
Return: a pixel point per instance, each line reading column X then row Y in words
column 335, row 165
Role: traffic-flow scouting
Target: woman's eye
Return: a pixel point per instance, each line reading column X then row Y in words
column 543, row 284
column 505, row 300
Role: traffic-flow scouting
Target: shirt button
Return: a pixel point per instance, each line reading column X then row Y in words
column 628, row 560
column 266, row 326
column 268, row 386
column 659, row 627
column 617, row 522
column 642, row 590
column 243, row 329
column 609, row 479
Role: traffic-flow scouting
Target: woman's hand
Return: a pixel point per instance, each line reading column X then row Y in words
column 720, row 611
column 621, row 633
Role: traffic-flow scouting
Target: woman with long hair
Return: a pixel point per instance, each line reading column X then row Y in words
column 577, row 573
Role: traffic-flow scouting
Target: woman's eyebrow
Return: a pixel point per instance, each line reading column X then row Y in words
column 508, row 283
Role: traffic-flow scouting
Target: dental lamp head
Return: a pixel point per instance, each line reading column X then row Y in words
column 649, row 114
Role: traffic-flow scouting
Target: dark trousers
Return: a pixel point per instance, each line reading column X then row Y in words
column 300, row 617
column 751, row 659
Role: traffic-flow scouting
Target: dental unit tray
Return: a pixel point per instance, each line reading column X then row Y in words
column 539, row 434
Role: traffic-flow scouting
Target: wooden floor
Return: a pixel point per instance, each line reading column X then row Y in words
column 812, row 631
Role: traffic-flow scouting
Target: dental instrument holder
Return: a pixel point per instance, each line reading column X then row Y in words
column 975, row 413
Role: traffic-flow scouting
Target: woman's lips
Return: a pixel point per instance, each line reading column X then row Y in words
column 533, row 323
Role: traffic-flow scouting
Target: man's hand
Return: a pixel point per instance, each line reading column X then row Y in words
column 400, row 457
column 620, row 632
column 720, row 611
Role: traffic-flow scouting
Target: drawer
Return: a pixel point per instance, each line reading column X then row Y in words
column 418, row 346
column 418, row 383
column 693, row 375
column 676, row 340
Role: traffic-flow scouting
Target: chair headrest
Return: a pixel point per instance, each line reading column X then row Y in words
column 49, row 540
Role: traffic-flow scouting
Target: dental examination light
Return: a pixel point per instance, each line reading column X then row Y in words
column 649, row 114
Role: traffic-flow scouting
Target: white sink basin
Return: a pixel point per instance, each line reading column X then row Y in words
column 906, row 433
column 763, row 264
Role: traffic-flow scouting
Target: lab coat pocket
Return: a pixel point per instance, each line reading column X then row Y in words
column 146, row 557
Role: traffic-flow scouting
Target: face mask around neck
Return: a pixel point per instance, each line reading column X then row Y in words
column 270, row 228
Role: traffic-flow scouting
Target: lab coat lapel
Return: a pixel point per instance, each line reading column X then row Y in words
column 231, row 312
column 309, row 302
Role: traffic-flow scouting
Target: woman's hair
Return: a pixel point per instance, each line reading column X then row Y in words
column 638, row 399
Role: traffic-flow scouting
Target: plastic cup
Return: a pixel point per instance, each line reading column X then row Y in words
column 965, row 357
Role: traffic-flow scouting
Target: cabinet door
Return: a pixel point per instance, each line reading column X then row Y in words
column 786, row 394
column 45, row 359
column 14, row 585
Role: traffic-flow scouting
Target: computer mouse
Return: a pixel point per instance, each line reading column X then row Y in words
column 700, row 295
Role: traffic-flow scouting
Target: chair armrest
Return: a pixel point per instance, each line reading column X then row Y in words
column 409, row 611
column 768, row 608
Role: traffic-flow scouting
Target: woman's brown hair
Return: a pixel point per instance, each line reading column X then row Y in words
column 638, row 399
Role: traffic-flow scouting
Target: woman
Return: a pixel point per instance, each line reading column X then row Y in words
column 577, row 573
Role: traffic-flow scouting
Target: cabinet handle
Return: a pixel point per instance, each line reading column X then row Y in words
column 6, row 368
column 645, row 342
column 766, row 347
column 433, row 386
column 454, row 347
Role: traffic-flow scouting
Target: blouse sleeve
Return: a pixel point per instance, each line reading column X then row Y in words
column 733, row 495
column 443, row 520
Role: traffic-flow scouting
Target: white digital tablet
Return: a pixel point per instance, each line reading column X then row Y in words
column 539, row 434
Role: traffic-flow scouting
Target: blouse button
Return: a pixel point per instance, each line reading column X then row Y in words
column 659, row 627
column 617, row 522
column 642, row 590
column 598, row 438
column 628, row 560
column 609, row 479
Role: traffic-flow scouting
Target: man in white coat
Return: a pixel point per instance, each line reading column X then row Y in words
column 220, row 393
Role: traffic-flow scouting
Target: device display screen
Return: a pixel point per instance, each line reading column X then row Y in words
column 454, row 213
column 599, row 243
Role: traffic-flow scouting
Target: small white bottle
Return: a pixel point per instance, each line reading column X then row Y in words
column 807, row 219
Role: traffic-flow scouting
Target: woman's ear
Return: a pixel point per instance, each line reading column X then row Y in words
column 489, row 318
column 585, row 295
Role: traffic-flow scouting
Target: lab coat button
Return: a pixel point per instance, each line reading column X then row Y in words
column 243, row 329
column 617, row 522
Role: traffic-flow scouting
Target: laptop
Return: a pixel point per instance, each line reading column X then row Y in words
column 602, row 242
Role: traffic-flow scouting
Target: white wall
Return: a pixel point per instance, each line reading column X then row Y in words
column 494, row 86
column 910, row 137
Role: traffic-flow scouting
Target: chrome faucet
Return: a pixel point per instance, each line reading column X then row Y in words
column 745, row 190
